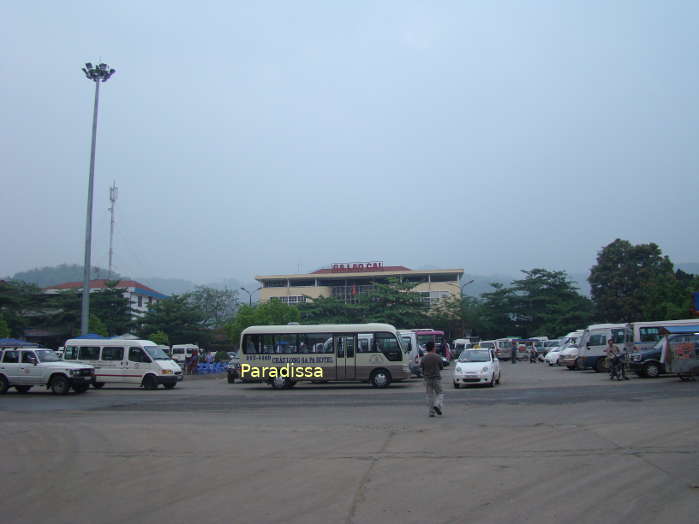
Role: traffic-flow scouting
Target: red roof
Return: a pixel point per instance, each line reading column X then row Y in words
column 384, row 269
column 101, row 284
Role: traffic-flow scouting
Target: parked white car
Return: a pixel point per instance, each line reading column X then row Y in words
column 477, row 366
column 553, row 355
column 25, row 368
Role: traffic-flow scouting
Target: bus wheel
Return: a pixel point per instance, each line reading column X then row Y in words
column 279, row 383
column 380, row 378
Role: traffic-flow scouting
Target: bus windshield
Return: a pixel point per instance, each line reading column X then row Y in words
column 156, row 353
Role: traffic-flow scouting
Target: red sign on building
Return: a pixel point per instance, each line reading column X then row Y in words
column 353, row 267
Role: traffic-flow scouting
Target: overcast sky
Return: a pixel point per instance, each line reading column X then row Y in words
column 259, row 137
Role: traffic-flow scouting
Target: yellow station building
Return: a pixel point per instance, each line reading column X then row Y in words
column 346, row 281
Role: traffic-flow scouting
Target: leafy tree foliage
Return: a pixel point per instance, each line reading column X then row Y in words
column 458, row 316
column 270, row 313
column 177, row 317
column 217, row 306
column 633, row 283
column 97, row 326
column 17, row 302
column 393, row 303
column 4, row 328
column 160, row 338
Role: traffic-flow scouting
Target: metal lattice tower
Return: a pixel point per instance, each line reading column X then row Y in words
column 113, row 194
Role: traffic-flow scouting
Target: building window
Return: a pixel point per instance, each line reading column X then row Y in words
column 150, row 300
column 140, row 301
column 302, row 283
column 274, row 283
column 293, row 299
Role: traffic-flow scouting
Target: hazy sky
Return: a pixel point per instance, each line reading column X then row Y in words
column 256, row 137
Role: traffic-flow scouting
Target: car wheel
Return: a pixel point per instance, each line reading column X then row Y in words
column 456, row 386
column 60, row 385
column 170, row 385
column 149, row 382
column 651, row 370
column 81, row 388
column 22, row 389
column 380, row 378
column 98, row 385
column 4, row 385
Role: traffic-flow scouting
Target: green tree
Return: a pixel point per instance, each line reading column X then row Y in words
column 113, row 308
column 631, row 283
column 178, row 318
column 329, row 310
column 217, row 306
column 548, row 303
column 4, row 328
column 97, row 326
column 269, row 313
column 498, row 312
column 458, row 316
column 160, row 338
column 394, row 303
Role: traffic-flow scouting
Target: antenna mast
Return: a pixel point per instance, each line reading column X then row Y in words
column 113, row 194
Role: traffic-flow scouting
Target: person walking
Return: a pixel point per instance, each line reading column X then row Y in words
column 431, row 365
column 514, row 352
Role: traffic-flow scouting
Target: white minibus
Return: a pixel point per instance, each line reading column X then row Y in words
column 118, row 361
column 285, row 355
column 644, row 335
column 181, row 352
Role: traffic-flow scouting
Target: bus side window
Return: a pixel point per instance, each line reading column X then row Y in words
column 387, row 344
column 70, row 353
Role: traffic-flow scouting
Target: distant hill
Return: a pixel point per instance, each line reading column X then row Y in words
column 50, row 276
column 481, row 283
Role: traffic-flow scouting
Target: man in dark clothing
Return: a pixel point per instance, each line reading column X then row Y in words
column 431, row 365
column 514, row 352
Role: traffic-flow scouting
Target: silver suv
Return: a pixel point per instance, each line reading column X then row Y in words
column 26, row 368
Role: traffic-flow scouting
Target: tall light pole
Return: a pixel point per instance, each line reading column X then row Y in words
column 98, row 74
column 464, row 285
column 250, row 294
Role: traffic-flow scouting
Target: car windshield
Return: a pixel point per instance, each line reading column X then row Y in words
column 156, row 353
column 474, row 355
column 46, row 355
column 552, row 343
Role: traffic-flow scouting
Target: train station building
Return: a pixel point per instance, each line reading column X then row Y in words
column 347, row 281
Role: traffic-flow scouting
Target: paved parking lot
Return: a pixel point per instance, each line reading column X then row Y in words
column 548, row 445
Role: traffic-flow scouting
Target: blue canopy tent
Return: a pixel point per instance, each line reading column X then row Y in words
column 681, row 330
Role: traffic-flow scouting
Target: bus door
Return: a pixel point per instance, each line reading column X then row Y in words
column 345, row 353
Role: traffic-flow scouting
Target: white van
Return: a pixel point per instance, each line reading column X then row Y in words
column 181, row 352
column 592, row 352
column 117, row 361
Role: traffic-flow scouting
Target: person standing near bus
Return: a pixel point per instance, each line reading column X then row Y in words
column 431, row 365
column 514, row 352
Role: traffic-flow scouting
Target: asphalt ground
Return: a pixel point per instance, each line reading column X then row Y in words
column 547, row 445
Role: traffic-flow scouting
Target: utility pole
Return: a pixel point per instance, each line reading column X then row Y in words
column 113, row 194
